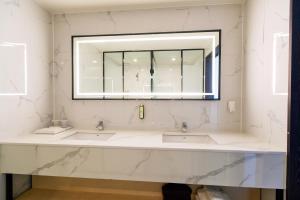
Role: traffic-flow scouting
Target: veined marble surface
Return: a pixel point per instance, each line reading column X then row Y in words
column 237, row 160
column 224, row 142
column 266, row 69
column 119, row 114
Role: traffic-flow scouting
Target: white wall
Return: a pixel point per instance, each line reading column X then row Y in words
column 266, row 69
column 200, row 115
column 25, row 22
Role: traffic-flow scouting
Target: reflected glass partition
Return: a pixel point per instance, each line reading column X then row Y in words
column 193, row 69
column 137, row 80
column 113, row 73
column 167, row 72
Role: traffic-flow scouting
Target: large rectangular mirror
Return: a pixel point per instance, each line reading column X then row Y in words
column 176, row 65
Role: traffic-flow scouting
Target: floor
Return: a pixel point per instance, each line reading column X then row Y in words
column 47, row 194
column 62, row 188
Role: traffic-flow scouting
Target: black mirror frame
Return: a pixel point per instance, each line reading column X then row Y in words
column 73, row 37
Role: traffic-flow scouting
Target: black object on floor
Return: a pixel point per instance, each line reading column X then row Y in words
column 173, row 191
column 9, row 186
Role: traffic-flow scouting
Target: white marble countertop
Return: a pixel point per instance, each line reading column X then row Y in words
column 225, row 142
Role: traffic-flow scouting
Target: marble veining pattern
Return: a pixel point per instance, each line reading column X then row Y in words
column 160, row 115
column 60, row 161
column 197, row 179
column 211, row 168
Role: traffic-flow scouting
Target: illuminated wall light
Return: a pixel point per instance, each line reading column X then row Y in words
column 214, row 70
column 276, row 36
column 143, row 39
column 24, row 93
column 145, row 94
column 77, row 70
column 213, row 38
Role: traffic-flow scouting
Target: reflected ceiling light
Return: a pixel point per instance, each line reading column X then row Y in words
column 135, row 60
column 173, row 59
column 95, row 61
column 145, row 94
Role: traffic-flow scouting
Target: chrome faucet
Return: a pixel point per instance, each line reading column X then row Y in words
column 184, row 127
column 100, row 126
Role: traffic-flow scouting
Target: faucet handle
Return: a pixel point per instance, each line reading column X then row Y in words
column 184, row 127
column 100, row 125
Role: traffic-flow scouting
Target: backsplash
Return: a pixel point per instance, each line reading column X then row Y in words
column 167, row 114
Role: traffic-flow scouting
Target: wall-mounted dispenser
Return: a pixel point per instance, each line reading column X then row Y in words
column 141, row 111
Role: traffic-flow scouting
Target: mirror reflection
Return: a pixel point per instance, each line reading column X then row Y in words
column 137, row 67
column 193, row 71
column 167, row 72
column 181, row 65
column 113, row 73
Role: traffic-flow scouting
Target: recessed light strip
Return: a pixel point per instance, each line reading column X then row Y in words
column 77, row 65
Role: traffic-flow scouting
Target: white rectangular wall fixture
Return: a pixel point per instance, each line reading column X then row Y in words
column 280, row 64
column 13, row 75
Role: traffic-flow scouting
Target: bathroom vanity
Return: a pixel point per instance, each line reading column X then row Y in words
column 223, row 159
column 194, row 94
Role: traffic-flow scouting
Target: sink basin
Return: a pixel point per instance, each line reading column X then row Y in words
column 90, row 136
column 187, row 138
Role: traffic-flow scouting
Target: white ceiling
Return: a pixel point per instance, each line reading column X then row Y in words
column 75, row 6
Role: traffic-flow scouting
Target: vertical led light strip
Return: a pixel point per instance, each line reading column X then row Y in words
column 77, row 69
column 214, row 85
column 276, row 36
column 10, row 44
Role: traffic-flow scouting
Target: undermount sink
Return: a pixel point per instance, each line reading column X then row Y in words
column 90, row 136
column 187, row 138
